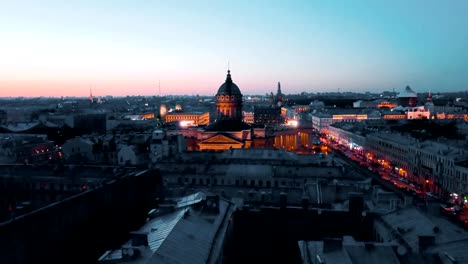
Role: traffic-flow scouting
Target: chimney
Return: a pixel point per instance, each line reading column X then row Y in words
column 212, row 204
column 139, row 238
column 130, row 253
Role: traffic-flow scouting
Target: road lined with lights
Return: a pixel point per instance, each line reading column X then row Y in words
column 395, row 180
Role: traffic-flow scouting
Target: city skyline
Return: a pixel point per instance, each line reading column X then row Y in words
column 123, row 48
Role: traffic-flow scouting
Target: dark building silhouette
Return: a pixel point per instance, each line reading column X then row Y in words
column 267, row 115
column 270, row 115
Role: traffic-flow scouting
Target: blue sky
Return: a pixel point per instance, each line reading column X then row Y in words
column 125, row 47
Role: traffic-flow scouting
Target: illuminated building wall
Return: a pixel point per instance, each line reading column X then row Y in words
column 431, row 164
column 162, row 111
column 349, row 118
column 321, row 122
column 436, row 165
column 452, row 116
column 418, row 113
column 287, row 141
column 352, row 140
column 248, row 117
column 394, row 116
column 294, row 139
column 301, row 108
column 284, row 111
column 392, row 148
column 387, row 105
column 193, row 119
column 147, row 116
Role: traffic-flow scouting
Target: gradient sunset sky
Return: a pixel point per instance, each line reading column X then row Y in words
column 61, row 48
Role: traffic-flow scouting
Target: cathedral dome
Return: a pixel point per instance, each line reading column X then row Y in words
column 228, row 87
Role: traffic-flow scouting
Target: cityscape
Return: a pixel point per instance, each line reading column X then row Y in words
column 242, row 151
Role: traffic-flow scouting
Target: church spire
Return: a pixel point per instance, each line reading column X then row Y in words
column 279, row 96
column 429, row 96
column 90, row 94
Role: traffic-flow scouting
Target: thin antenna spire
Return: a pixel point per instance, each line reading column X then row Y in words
column 229, row 67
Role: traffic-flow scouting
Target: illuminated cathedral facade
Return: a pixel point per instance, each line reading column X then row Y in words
column 228, row 131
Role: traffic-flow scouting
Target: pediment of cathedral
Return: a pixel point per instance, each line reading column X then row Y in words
column 220, row 142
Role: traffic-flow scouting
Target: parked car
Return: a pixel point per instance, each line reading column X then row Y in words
column 404, row 180
column 451, row 210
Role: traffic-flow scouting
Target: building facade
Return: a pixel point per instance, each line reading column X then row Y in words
column 189, row 119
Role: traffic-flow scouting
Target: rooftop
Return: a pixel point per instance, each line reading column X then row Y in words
column 410, row 224
column 197, row 221
column 346, row 250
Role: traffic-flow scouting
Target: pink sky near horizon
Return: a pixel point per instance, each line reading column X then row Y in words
column 37, row 88
column 185, row 84
column 45, row 88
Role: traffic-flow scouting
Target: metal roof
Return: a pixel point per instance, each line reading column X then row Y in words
column 190, row 199
column 194, row 237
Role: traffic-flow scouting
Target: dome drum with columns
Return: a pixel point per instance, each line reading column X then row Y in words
column 229, row 100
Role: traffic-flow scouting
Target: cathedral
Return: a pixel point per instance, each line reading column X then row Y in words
column 228, row 131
